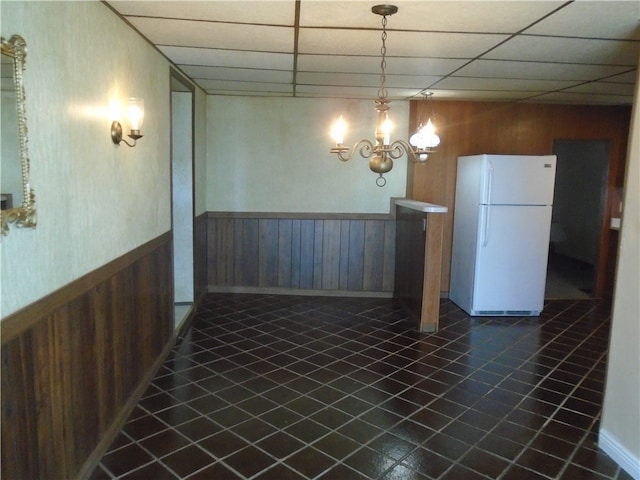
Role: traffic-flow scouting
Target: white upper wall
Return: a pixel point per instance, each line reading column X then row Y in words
column 272, row 155
column 200, row 153
column 95, row 201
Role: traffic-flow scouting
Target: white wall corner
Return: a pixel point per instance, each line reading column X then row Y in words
column 619, row 454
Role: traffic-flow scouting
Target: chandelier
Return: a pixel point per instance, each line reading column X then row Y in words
column 383, row 152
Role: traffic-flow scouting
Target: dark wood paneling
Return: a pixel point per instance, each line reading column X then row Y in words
column 373, row 251
column 419, row 265
column 285, row 241
column 246, row 251
column 468, row 128
column 356, row 255
column 345, row 235
column 268, row 247
column 410, row 242
column 307, row 247
column 68, row 375
column 318, row 249
column 332, row 253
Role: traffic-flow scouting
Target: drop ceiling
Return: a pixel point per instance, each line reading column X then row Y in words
column 580, row 52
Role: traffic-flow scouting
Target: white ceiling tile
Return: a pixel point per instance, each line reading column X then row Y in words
column 438, row 16
column 593, row 19
column 265, row 12
column 245, row 86
column 215, row 35
column 338, row 79
column 483, row 95
column 238, row 74
column 567, row 50
column 338, row 63
column 248, row 93
column 354, row 92
column 537, row 70
column 628, row 77
column 605, row 88
column 364, row 80
column 476, row 83
column 395, row 65
column 582, row 98
column 337, row 92
column 400, row 44
column 227, row 58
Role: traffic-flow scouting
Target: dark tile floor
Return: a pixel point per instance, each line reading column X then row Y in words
column 290, row 387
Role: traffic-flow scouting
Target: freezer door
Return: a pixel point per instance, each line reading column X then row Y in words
column 518, row 180
column 511, row 260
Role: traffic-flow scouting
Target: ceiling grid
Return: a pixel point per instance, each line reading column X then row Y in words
column 578, row 52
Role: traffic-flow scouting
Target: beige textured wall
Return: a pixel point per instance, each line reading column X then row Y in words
column 95, row 201
column 200, row 150
column 620, row 427
column 272, row 155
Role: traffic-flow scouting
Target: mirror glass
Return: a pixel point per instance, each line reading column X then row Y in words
column 17, row 200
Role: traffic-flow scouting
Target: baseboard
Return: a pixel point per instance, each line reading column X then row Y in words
column 299, row 291
column 619, row 454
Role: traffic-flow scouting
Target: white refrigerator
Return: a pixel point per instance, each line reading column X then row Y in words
column 502, row 221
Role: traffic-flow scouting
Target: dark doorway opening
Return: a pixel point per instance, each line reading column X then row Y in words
column 578, row 212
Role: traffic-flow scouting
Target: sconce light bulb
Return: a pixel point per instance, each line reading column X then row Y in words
column 136, row 113
column 338, row 131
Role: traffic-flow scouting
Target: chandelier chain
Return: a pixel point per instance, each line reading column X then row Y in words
column 382, row 92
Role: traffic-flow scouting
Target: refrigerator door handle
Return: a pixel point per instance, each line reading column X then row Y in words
column 485, row 226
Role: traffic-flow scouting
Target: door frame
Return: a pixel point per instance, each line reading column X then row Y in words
column 183, row 310
column 602, row 260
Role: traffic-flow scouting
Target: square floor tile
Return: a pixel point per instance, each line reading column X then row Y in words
column 266, row 386
column 188, row 460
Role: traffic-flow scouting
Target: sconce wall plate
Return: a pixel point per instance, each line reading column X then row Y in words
column 116, row 134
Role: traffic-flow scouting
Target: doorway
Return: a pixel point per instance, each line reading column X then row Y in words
column 578, row 211
column 182, row 197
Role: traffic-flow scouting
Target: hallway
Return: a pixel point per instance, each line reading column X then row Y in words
column 292, row 387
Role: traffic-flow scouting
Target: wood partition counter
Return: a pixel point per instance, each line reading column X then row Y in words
column 419, row 227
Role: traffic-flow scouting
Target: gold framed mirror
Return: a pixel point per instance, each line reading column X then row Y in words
column 18, row 205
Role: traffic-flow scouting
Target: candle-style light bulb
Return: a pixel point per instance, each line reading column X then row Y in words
column 433, row 140
column 387, row 126
column 338, row 131
column 136, row 113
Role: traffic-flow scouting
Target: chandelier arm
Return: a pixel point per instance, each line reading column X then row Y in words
column 400, row 147
column 364, row 147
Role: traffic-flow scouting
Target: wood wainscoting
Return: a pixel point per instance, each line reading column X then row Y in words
column 200, row 249
column 323, row 254
column 75, row 362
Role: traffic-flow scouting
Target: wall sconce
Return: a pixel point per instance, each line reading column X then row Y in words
column 136, row 116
